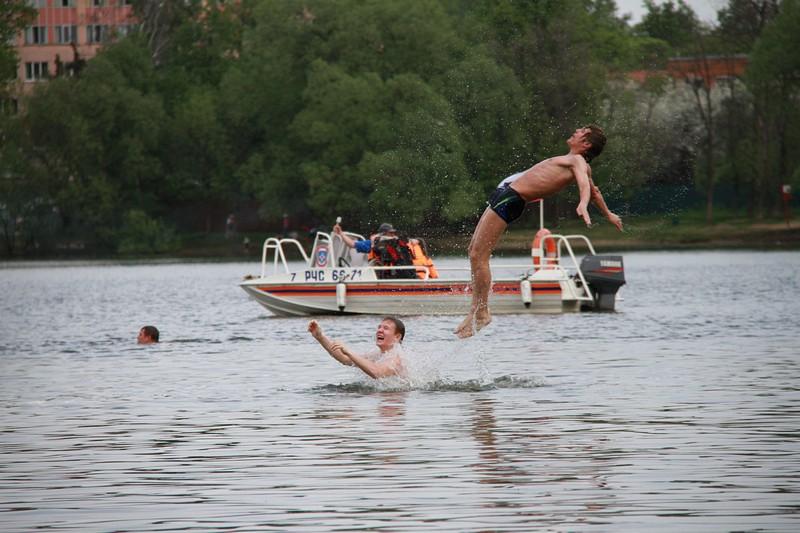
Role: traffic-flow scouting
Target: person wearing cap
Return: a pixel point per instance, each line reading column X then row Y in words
column 364, row 246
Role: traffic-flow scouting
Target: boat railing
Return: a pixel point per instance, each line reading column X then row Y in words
column 327, row 250
column 275, row 245
column 556, row 262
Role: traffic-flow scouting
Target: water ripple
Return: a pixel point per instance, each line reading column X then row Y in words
column 679, row 412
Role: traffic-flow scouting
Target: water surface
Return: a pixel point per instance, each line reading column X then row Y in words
column 681, row 411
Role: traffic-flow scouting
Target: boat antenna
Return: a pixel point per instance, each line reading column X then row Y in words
column 541, row 213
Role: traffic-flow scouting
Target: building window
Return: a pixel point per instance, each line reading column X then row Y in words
column 65, row 3
column 36, row 35
column 96, row 33
column 123, row 30
column 36, row 71
column 9, row 106
column 98, row 3
column 66, row 34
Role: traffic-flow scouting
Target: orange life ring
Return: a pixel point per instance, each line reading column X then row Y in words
column 550, row 251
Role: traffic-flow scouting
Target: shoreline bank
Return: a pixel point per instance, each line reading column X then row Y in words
column 657, row 237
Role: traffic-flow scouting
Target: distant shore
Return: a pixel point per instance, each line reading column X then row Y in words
column 640, row 234
column 769, row 236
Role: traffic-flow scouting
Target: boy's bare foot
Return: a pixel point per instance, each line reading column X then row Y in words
column 482, row 319
column 466, row 328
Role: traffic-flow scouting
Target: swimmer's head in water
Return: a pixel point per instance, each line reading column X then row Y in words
column 148, row 335
column 391, row 330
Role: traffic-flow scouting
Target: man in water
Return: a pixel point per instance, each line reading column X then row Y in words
column 147, row 335
column 384, row 362
column 508, row 202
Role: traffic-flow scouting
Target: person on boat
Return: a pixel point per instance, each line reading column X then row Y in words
column 364, row 246
column 387, row 248
column 508, row 202
column 421, row 259
column 386, row 361
column 147, row 335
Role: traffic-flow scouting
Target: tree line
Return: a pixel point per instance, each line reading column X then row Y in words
column 408, row 111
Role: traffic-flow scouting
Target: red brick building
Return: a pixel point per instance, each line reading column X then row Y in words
column 65, row 33
column 710, row 69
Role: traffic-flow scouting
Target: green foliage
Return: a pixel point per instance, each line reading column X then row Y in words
column 742, row 21
column 141, row 234
column 15, row 16
column 197, row 155
column 773, row 77
column 672, row 22
column 27, row 221
column 409, row 111
column 776, row 55
column 494, row 116
column 373, row 140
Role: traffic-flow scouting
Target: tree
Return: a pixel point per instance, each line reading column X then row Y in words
column 14, row 18
column 494, row 116
column 307, row 97
column 158, row 21
column 741, row 23
column 394, row 144
column 27, row 218
column 672, row 22
column 98, row 137
column 774, row 79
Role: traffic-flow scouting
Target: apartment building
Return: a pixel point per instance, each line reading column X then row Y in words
column 65, row 34
column 710, row 69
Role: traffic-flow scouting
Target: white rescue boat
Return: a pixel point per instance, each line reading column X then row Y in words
column 335, row 279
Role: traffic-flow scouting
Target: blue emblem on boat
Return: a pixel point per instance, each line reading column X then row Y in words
column 322, row 256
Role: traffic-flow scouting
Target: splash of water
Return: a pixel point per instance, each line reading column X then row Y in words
column 441, row 385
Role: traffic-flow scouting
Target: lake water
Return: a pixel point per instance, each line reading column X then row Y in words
column 679, row 412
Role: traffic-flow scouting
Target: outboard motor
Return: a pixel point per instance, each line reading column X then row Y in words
column 605, row 274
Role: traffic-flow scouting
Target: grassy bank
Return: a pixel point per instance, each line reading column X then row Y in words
column 686, row 231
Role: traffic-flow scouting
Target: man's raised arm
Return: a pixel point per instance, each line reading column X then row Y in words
column 580, row 170
column 336, row 349
column 337, row 229
column 389, row 367
column 600, row 203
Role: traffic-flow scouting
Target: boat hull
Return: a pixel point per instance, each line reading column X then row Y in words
column 403, row 297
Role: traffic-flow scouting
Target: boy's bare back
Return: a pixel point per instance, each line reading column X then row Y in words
column 550, row 176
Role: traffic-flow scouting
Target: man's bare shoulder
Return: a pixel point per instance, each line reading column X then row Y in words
column 566, row 160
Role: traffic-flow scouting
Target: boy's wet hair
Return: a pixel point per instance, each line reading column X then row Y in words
column 597, row 138
column 398, row 325
column 152, row 332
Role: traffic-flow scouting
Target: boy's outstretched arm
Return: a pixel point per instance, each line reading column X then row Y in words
column 335, row 349
column 600, row 203
column 389, row 367
column 581, row 171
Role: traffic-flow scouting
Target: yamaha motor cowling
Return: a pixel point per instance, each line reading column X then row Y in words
column 605, row 274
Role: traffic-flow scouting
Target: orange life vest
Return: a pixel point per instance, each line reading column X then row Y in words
column 420, row 259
